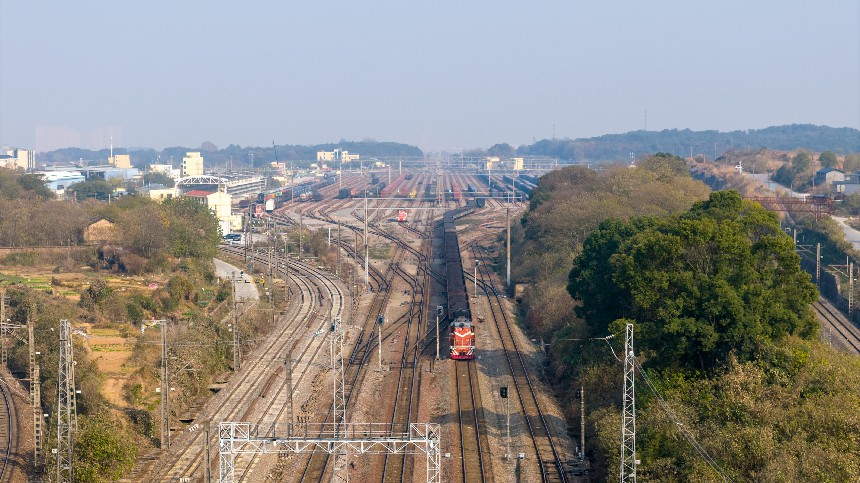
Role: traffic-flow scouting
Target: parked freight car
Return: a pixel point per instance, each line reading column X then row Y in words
column 461, row 332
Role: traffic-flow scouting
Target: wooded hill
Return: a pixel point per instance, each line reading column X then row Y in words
column 617, row 147
column 733, row 381
column 247, row 156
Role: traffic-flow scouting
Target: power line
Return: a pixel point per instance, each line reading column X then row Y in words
column 684, row 431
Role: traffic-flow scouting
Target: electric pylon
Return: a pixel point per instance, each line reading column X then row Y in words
column 628, row 416
column 338, row 395
column 64, row 405
column 35, row 393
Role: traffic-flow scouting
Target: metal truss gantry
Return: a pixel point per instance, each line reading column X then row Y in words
column 65, row 405
column 353, row 438
column 628, row 415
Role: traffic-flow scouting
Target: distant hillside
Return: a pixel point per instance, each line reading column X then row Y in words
column 619, row 146
column 241, row 156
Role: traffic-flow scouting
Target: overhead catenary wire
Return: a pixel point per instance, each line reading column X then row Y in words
column 665, row 407
column 684, row 431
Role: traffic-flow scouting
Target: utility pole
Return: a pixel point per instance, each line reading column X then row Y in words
column 508, row 267
column 503, row 393
column 165, row 383
column 628, row 415
column 850, row 290
column 237, row 350
column 439, row 310
column 477, row 262
column 286, row 271
column 366, row 246
column 581, row 422
column 337, row 270
column 301, row 234
column 288, row 363
column 380, row 319
column 818, row 265
column 4, row 357
column 207, row 469
column 65, row 449
column 329, row 237
column 165, row 388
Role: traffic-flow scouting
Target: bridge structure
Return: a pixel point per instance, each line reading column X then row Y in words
column 818, row 206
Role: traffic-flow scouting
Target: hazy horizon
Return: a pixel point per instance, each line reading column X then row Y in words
column 441, row 76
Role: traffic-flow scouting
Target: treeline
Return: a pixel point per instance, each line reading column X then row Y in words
column 142, row 227
column 239, row 156
column 722, row 327
column 618, row 147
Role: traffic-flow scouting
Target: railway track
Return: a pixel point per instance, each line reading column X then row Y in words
column 472, row 432
column 549, row 460
column 8, row 434
column 186, row 460
column 361, row 352
column 397, row 468
column 276, row 403
column 406, row 402
column 848, row 335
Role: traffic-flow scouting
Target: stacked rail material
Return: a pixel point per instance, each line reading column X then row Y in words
column 393, row 189
column 462, row 334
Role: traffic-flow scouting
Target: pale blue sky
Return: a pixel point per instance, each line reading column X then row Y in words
column 439, row 74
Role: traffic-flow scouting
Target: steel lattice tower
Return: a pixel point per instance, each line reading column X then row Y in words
column 64, row 405
column 338, row 395
column 628, row 416
column 35, row 393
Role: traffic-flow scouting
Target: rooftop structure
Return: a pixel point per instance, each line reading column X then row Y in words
column 120, row 161
column 108, row 172
column 336, row 155
column 14, row 158
column 60, row 180
column 192, row 164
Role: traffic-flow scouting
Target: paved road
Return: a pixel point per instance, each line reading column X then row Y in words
column 851, row 235
column 246, row 290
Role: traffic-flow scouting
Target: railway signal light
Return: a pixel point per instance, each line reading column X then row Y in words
column 380, row 319
column 503, row 392
column 439, row 310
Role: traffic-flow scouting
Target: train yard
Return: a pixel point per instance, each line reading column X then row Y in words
column 421, row 249
column 399, row 287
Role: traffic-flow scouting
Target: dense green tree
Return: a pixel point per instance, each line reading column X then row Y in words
column 800, row 162
column 158, row 178
column 36, row 184
column 784, row 175
column 828, row 159
column 98, row 189
column 722, row 278
column 852, row 163
column 504, row 150
column 193, row 228
column 104, row 450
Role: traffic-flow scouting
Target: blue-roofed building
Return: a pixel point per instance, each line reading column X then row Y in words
column 108, row 172
column 60, row 180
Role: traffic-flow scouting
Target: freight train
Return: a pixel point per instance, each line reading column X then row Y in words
column 461, row 333
column 274, row 199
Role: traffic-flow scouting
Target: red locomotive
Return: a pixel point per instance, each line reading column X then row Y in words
column 461, row 331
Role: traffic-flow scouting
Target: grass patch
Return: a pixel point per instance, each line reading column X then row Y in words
column 10, row 279
column 110, row 348
column 380, row 253
column 466, row 221
column 104, row 332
